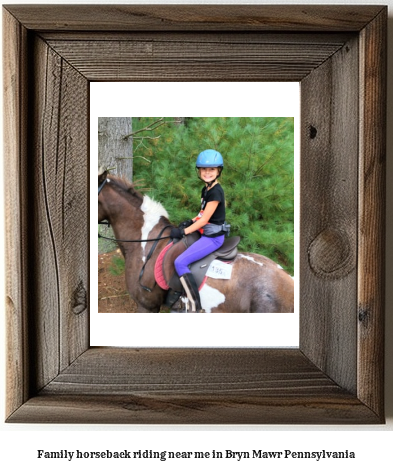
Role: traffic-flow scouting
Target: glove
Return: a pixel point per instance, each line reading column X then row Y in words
column 186, row 223
column 177, row 233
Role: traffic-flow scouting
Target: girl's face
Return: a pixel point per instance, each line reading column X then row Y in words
column 208, row 174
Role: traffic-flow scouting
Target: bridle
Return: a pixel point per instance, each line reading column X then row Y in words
column 136, row 240
column 106, row 180
column 100, row 187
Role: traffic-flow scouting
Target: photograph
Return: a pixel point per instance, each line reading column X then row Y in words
column 203, row 215
column 251, row 276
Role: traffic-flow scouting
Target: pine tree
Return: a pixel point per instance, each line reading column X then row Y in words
column 258, row 176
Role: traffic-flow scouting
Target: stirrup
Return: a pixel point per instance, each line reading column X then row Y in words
column 172, row 297
column 180, row 306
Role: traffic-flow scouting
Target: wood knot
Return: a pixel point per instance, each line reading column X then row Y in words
column 313, row 132
column 363, row 316
column 79, row 299
column 331, row 254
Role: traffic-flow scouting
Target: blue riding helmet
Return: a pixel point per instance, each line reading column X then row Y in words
column 210, row 159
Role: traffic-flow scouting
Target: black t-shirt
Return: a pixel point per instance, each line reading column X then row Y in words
column 216, row 193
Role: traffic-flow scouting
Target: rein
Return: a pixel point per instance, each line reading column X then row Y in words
column 155, row 240
column 136, row 240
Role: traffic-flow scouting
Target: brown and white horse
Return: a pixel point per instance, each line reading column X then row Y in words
column 257, row 284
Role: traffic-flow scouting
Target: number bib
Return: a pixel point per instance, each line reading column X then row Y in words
column 219, row 270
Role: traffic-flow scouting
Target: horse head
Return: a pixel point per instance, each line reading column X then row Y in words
column 115, row 194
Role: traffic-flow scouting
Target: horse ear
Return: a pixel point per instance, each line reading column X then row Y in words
column 102, row 176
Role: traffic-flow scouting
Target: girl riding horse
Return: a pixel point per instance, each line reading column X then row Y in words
column 209, row 222
column 142, row 230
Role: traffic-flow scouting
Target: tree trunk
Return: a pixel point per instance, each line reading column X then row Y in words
column 180, row 120
column 115, row 154
column 114, row 150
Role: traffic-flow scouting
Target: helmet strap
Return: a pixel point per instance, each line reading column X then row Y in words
column 209, row 185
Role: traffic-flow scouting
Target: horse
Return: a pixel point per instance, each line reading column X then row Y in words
column 141, row 228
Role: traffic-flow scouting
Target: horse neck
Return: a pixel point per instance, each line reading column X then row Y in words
column 126, row 218
column 133, row 221
column 154, row 217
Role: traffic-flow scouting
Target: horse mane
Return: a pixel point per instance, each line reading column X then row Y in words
column 127, row 188
column 137, row 199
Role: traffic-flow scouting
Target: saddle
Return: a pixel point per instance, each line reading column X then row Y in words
column 164, row 270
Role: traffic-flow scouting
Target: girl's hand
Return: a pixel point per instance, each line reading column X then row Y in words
column 177, row 233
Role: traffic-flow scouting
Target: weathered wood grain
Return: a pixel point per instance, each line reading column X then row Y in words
column 215, row 60
column 195, row 17
column 336, row 375
column 47, row 213
column 15, row 212
column 59, row 177
column 329, row 187
column 201, row 37
column 371, row 233
column 239, row 409
column 199, row 386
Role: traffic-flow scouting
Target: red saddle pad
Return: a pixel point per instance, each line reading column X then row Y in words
column 158, row 270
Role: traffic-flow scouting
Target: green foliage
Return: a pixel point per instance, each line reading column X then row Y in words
column 117, row 266
column 105, row 246
column 258, row 177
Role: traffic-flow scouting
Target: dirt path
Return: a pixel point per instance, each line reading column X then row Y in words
column 112, row 293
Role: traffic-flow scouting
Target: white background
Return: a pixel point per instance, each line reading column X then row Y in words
column 372, row 444
column 192, row 100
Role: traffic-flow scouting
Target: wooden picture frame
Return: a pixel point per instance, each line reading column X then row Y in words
column 338, row 54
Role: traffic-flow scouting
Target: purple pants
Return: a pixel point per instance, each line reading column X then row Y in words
column 202, row 247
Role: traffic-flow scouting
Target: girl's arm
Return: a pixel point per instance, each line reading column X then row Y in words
column 211, row 206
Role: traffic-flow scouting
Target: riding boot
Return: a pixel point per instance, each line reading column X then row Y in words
column 192, row 292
